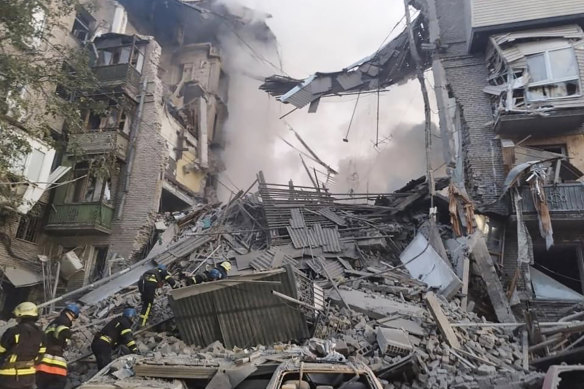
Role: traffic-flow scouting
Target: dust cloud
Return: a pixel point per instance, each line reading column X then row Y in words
column 253, row 130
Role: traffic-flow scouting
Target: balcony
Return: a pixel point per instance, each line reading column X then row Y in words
column 488, row 17
column 559, row 122
column 88, row 218
column 99, row 142
column 118, row 75
column 565, row 201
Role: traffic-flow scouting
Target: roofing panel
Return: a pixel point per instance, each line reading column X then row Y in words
column 332, row 241
column 179, row 249
column 496, row 12
column 297, row 220
column 239, row 314
column 332, row 216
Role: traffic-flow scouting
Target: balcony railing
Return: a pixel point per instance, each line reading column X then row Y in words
column 99, row 142
column 119, row 74
column 82, row 217
column 563, row 199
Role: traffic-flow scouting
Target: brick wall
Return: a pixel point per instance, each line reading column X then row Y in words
column 467, row 76
column 133, row 230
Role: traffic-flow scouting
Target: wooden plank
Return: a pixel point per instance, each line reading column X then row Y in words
column 441, row 320
column 525, row 346
column 486, row 269
column 465, row 279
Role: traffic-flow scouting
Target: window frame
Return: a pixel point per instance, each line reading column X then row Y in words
column 549, row 73
column 29, row 228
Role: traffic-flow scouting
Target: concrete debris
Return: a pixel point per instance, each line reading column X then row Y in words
column 374, row 310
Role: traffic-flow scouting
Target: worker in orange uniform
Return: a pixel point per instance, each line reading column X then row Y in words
column 21, row 347
column 52, row 369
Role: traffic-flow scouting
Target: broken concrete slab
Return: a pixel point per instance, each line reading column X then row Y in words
column 393, row 341
column 408, row 325
column 373, row 305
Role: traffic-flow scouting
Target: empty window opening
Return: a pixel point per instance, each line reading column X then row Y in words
column 99, row 270
column 562, row 263
column 81, row 27
column 558, row 149
column 571, row 379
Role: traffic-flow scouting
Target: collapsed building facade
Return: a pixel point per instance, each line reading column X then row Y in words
column 507, row 80
column 165, row 94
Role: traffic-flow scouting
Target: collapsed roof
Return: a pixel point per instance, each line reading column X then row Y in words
column 389, row 65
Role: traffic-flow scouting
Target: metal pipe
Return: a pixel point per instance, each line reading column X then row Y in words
column 57, row 274
column 293, row 300
column 131, row 151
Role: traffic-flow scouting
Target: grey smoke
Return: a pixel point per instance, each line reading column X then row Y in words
column 318, row 36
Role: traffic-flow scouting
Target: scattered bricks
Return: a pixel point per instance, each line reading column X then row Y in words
column 486, row 369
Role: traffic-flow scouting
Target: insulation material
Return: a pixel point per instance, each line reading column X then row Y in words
column 426, row 265
column 546, row 288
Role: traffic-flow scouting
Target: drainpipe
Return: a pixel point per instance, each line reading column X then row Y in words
column 203, row 136
column 131, row 150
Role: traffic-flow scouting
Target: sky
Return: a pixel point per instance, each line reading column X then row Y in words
column 322, row 35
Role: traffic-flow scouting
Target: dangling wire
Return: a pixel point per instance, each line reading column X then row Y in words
column 346, row 138
column 377, row 131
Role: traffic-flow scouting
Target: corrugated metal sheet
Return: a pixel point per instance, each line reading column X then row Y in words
column 297, row 220
column 265, row 261
column 316, row 236
column 495, row 12
column 177, row 250
column 334, row 268
column 329, row 214
column 239, row 314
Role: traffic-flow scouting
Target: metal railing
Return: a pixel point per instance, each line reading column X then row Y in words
column 87, row 216
column 561, row 198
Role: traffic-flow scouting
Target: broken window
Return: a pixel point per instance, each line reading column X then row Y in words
column 88, row 188
column 28, row 228
column 81, row 26
column 553, row 74
column 116, row 117
column 114, row 56
column 137, row 60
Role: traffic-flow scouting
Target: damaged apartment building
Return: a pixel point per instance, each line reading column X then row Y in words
column 165, row 95
column 508, row 79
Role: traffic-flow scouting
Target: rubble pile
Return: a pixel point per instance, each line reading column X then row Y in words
column 370, row 277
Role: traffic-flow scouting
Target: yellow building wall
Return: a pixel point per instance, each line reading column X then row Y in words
column 194, row 180
column 574, row 145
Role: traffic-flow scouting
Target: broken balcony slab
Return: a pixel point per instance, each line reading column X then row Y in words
column 426, row 265
column 373, row 305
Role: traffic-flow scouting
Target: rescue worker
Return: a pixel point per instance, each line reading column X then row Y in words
column 21, row 347
column 217, row 273
column 147, row 285
column 115, row 333
column 52, row 368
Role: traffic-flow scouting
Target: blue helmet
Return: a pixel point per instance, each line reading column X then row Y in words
column 161, row 266
column 130, row 313
column 74, row 309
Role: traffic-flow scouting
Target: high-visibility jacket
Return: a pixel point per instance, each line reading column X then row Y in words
column 57, row 334
column 21, row 347
column 158, row 277
column 118, row 331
